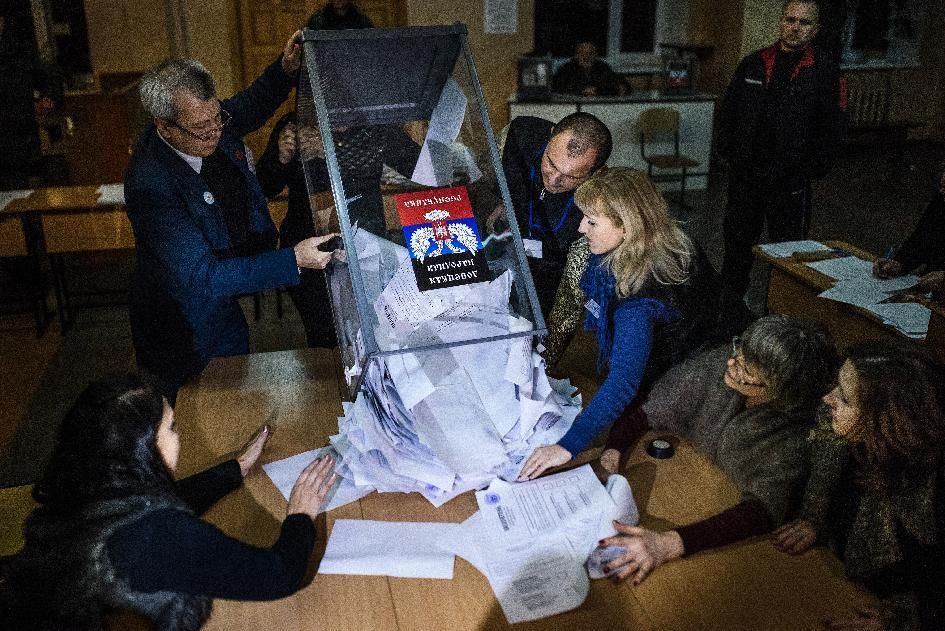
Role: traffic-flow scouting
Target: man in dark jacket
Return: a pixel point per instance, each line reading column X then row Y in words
column 587, row 75
column 203, row 234
column 544, row 163
column 337, row 15
column 779, row 128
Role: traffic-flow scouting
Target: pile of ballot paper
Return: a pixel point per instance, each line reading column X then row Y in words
column 446, row 420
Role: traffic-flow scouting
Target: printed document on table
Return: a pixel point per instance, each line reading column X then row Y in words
column 388, row 548
column 787, row 248
column 909, row 317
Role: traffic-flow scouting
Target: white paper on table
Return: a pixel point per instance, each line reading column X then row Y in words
column 908, row 317
column 843, row 268
column 110, row 194
column 284, row 473
column 388, row 548
column 466, row 540
column 788, row 248
column 8, row 196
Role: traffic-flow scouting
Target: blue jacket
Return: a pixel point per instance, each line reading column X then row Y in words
column 183, row 293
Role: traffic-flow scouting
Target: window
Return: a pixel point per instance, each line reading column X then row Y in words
column 627, row 33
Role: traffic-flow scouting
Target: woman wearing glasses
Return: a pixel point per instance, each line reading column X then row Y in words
column 636, row 280
column 876, row 492
column 749, row 407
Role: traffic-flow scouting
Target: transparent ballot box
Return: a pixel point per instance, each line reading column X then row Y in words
column 393, row 123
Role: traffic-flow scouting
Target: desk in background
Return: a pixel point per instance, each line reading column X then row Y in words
column 620, row 114
column 744, row 586
column 793, row 288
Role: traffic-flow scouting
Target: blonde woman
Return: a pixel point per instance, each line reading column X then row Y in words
column 635, row 279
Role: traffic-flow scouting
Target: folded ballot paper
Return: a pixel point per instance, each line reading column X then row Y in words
column 532, row 539
column 444, row 421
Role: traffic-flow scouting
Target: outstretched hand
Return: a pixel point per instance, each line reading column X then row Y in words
column 541, row 459
column 312, row 487
column 795, row 537
column 253, row 449
column 644, row 551
column 292, row 54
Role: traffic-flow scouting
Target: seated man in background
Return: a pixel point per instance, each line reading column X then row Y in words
column 544, row 163
column 587, row 75
column 924, row 250
column 203, row 234
column 338, row 15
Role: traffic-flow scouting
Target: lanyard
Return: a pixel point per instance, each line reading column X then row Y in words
column 531, row 202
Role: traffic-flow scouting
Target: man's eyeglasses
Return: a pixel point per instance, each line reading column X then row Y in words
column 745, row 378
column 221, row 120
column 790, row 19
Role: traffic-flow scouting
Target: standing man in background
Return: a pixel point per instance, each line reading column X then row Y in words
column 780, row 126
column 203, row 234
column 338, row 14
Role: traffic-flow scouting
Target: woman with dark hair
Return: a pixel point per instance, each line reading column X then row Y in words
column 641, row 285
column 749, row 407
column 114, row 531
column 876, row 493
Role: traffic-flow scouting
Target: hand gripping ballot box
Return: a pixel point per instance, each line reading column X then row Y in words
column 394, row 121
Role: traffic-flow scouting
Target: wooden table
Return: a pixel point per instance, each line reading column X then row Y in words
column 793, row 288
column 64, row 219
column 744, row 586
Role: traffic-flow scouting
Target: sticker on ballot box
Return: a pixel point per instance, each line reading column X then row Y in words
column 443, row 238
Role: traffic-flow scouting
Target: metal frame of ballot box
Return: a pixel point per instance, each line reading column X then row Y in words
column 362, row 84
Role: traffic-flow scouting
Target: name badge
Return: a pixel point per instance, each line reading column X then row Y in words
column 593, row 307
column 532, row 248
column 753, row 81
column 208, row 197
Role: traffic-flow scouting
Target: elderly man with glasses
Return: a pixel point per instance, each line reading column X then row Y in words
column 202, row 228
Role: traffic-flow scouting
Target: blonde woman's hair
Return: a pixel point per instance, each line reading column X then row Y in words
column 653, row 244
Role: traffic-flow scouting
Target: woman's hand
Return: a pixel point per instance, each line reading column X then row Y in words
column 795, row 537
column 287, row 143
column 933, row 281
column 541, row 459
column 610, row 460
column 312, row 486
column 865, row 619
column 886, row 268
column 645, row 550
column 253, row 449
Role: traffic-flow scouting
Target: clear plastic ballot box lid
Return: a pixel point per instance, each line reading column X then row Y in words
column 392, row 122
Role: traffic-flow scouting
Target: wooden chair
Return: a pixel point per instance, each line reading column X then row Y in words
column 656, row 125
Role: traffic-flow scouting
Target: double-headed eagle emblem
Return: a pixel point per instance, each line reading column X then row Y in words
column 444, row 235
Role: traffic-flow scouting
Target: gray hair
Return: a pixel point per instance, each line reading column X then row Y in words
column 796, row 357
column 161, row 84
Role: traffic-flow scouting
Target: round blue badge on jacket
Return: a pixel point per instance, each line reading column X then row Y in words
column 208, row 197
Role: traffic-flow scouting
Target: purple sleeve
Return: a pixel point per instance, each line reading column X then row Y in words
column 748, row 518
column 633, row 337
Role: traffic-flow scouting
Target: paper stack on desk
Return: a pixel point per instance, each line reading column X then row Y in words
column 857, row 286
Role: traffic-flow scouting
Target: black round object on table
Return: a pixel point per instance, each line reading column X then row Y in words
column 660, row 448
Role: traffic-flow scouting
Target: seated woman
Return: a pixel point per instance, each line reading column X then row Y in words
column 749, row 407
column 114, row 531
column 924, row 250
column 639, row 282
column 876, row 492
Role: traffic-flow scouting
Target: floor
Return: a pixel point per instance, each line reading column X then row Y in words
column 872, row 199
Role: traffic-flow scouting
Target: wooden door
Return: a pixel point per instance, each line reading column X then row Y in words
column 265, row 25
